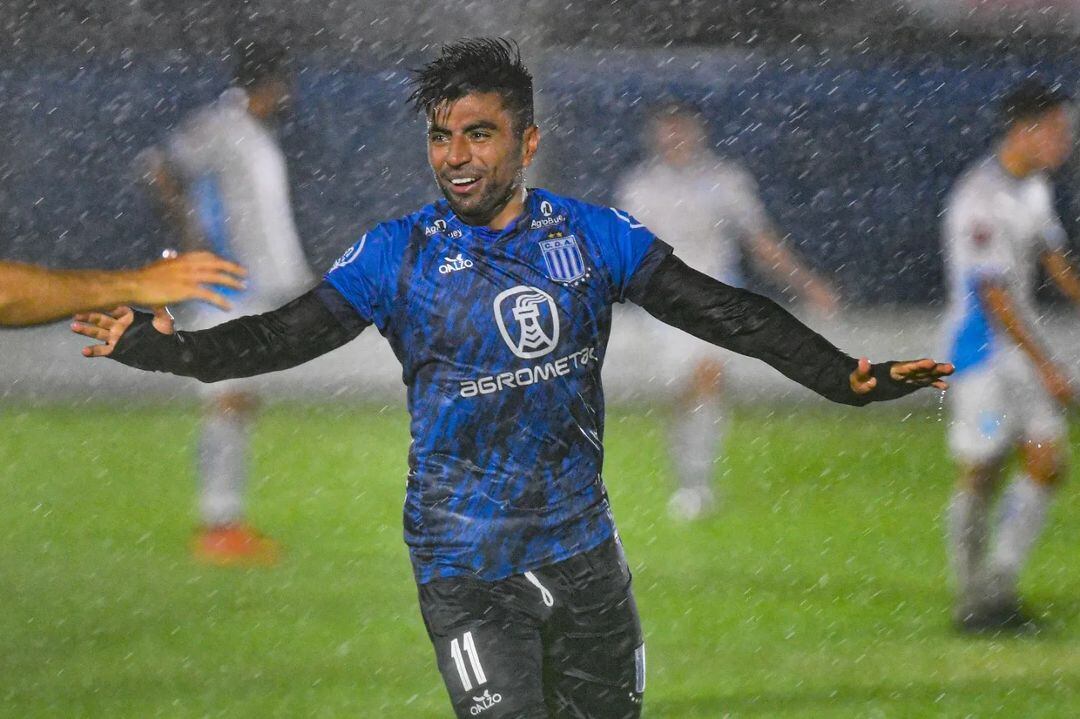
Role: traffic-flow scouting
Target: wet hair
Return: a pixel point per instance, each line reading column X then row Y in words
column 1030, row 99
column 258, row 61
column 476, row 65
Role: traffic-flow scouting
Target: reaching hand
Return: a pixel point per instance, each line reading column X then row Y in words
column 919, row 373
column 186, row 277
column 109, row 328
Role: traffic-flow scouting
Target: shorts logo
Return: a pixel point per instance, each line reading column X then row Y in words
column 563, row 258
column 484, row 702
column 537, row 321
column 453, row 264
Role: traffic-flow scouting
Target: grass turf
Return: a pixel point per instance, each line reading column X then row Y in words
column 819, row 590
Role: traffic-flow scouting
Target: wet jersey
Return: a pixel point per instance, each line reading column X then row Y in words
column 996, row 226
column 501, row 337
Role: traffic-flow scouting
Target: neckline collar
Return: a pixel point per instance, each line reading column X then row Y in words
column 522, row 220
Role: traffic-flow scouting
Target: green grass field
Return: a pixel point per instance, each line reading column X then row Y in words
column 819, row 591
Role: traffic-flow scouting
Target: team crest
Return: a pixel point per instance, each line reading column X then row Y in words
column 563, row 258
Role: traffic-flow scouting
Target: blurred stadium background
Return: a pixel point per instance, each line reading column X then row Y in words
column 854, row 116
column 819, row 592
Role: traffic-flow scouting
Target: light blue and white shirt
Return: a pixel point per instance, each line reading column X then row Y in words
column 996, row 226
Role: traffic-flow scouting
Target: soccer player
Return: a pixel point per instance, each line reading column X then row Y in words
column 709, row 209
column 221, row 181
column 34, row 295
column 497, row 302
column 1009, row 395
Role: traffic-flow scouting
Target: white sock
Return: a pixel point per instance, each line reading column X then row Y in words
column 968, row 523
column 1023, row 510
column 223, row 465
column 696, row 436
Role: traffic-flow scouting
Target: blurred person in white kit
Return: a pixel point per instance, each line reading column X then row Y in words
column 1010, row 394
column 709, row 208
column 221, row 180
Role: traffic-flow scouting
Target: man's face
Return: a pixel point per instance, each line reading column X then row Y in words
column 1049, row 138
column 678, row 138
column 279, row 91
column 478, row 159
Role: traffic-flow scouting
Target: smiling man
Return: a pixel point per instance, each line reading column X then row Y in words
column 497, row 302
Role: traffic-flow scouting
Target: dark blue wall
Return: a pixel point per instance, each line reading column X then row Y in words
column 853, row 154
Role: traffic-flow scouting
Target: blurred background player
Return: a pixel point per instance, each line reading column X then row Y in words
column 709, row 209
column 34, row 295
column 1008, row 395
column 222, row 183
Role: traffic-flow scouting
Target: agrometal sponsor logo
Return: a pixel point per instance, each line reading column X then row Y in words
column 535, row 335
column 529, row 375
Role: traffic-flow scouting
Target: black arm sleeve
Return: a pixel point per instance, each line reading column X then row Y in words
column 756, row 326
column 309, row 326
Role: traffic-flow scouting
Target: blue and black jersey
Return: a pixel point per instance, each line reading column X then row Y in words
column 501, row 337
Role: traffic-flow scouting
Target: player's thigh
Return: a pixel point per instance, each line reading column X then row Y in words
column 1044, row 450
column 982, row 428
column 1044, row 433
column 595, row 658
column 490, row 657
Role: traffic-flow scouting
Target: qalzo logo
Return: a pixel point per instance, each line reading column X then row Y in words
column 453, row 264
column 484, row 702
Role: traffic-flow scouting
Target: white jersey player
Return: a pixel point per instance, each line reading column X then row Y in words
column 222, row 180
column 709, row 209
column 1008, row 395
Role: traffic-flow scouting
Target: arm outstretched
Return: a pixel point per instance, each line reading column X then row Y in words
column 755, row 326
column 311, row 325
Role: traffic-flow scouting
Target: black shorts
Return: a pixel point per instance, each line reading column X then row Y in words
column 561, row 641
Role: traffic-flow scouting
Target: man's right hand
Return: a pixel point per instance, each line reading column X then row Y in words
column 186, row 277
column 109, row 328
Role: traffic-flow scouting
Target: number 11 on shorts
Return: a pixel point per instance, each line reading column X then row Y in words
column 458, row 652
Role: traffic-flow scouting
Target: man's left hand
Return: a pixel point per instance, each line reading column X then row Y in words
column 918, row 373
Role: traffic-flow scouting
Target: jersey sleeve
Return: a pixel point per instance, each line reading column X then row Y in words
column 366, row 274
column 630, row 252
